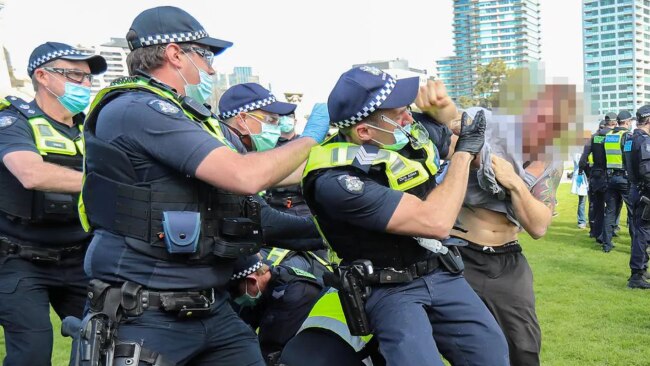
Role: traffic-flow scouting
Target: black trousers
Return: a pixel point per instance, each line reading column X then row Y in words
column 504, row 281
column 27, row 290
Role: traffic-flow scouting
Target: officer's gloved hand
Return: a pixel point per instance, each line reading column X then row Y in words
column 318, row 123
column 472, row 136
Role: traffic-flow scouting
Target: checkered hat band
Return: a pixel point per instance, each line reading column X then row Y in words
column 242, row 274
column 372, row 105
column 172, row 38
column 249, row 107
column 51, row 56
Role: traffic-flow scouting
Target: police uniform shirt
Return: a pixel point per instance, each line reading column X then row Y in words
column 355, row 201
column 640, row 143
column 160, row 141
column 16, row 135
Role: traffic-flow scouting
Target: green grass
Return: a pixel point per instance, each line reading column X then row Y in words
column 588, row 316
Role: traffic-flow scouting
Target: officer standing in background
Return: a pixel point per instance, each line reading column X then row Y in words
column 376, row 207
column 637, row 164
column 42, row 243
column 275, row 300
column 618, row 187
column 166, row 194
column 597, row 174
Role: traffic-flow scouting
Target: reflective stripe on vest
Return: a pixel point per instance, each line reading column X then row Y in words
column 402, row 173
column 327, row 314
column 277, row 255
column 613, row 151
column 49, row 140
column 590, row 159
column 211, row 125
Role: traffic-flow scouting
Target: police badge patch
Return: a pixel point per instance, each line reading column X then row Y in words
column 6, row 121
column 351, row 184
column 163, row 107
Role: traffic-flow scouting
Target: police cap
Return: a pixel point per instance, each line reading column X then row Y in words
column 169, row 24
column 50, row 51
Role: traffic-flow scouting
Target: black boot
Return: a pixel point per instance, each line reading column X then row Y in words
column 637, row 281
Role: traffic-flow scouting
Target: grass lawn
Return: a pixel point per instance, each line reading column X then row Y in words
column 587, row 315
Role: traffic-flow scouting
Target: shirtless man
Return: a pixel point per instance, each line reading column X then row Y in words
column 493, row 215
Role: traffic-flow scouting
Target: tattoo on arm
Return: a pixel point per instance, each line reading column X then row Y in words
column 546, row 189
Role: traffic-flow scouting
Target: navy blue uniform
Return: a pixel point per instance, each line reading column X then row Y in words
column 29, row 287
column 415, row 321
column 597, row 182
column 638, row 167
column 617, row 193
column 161, row 142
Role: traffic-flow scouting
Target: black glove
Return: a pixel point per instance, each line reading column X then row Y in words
column 472, row 136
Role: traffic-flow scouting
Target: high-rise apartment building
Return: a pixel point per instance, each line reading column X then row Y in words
column 115, row 53
column 489, row 29
column 616, row 36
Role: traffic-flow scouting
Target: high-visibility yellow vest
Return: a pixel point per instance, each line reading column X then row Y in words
column 613, row 149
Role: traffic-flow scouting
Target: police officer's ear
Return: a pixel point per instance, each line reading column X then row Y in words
column 40, row 78
column 240, row 123
column 363, row 132
column 174, row 55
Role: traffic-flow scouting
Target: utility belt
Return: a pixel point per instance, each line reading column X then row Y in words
column 354, row 283
column 40, row 254
column 616, row 172
column 132, row 300
column 285, row 201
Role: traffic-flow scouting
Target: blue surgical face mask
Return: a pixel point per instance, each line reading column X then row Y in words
column 267, row 139
column 286, row 124
column 399, row 134
column 75, row 97
column 201, row 91
column 247, row 300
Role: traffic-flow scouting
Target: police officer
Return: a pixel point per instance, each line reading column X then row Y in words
column 637, row 164
column 273, row 299
column 617, row 184
column 372, row 203
column 254, row 114
column 324, row 339
column 41, row 241
column 165, row 192
column 597, row 175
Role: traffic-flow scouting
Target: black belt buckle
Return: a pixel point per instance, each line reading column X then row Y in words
column 392, row 275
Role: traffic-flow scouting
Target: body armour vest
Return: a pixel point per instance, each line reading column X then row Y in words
column 598, row 150
column 177, row 212
column 413, row 175
column 36, row 206
column 613, row 151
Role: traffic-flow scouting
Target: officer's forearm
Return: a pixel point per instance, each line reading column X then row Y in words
column 271, row 167
column 435, row 216
column 33, row 173
column 253, row 172
column 446, row 200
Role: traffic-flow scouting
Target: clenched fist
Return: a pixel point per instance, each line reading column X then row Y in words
column 432, row 98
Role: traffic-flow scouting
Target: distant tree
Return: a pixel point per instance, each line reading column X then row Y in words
column 488, row 78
